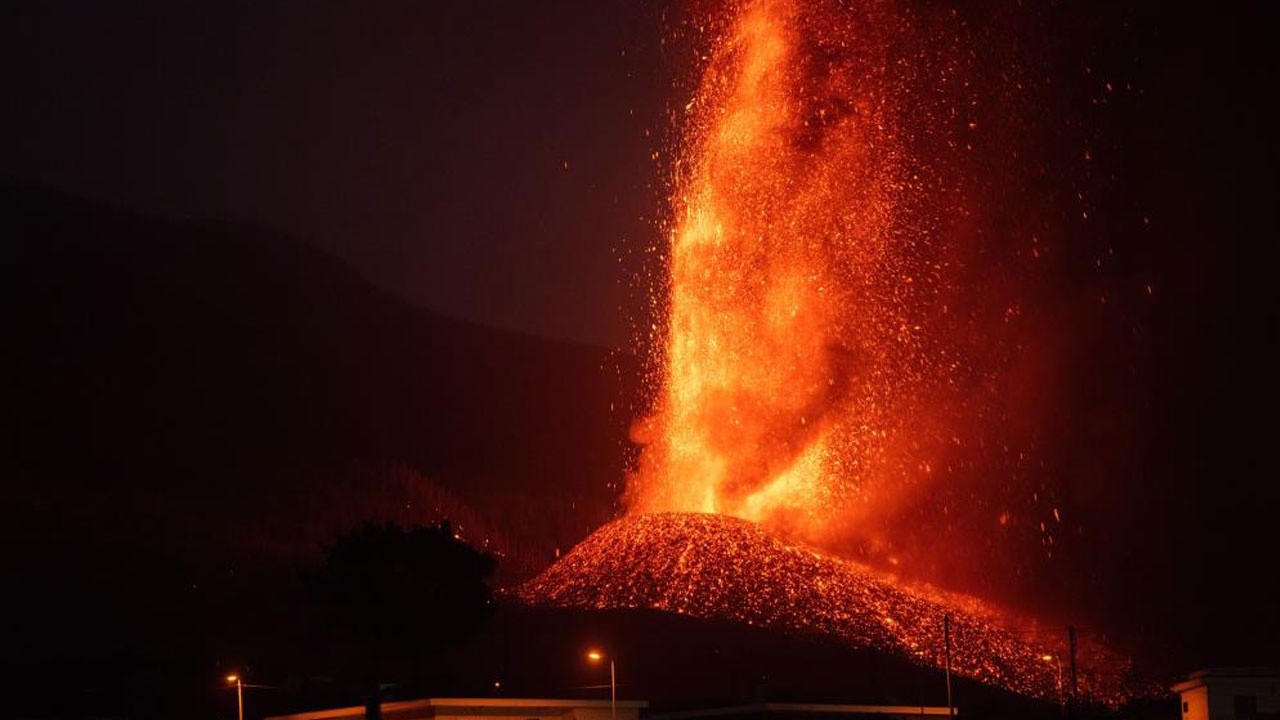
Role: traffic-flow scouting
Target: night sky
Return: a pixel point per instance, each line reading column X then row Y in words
column 491, row 160
column 506, row 163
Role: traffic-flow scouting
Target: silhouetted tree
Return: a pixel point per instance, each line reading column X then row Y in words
column 404, row 594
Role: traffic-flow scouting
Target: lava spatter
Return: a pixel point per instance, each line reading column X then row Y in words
column 719, row 567
column 805, row 381
column 837, row 341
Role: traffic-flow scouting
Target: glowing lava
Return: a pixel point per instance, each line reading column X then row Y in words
column 825, row 355
column 801, row 383
column 719, row 567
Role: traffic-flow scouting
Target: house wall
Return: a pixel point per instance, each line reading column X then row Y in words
column 1215, row 698
column 1196, row 704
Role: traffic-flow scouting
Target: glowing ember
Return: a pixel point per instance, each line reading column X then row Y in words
column 802, row 383
column 718, row 567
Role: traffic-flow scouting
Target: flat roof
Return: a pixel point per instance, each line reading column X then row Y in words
column 1201, row 678
column 831, row 709
column 472, row 706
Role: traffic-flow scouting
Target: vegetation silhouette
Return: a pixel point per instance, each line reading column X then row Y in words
column 401, row 595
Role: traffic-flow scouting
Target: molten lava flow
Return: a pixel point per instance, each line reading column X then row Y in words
column 800, row 382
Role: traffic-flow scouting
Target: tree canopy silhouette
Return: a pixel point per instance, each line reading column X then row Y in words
column 405, row 594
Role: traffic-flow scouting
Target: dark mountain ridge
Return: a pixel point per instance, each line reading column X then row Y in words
column 195, row 380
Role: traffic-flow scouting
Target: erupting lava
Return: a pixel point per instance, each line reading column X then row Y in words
column 719, row 567
column 803, row 375
column 824, row 357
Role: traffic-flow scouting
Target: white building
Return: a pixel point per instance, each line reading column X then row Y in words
column 1231, row 694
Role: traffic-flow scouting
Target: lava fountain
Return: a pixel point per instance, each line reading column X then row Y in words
column 804, row 383
column 825, row 356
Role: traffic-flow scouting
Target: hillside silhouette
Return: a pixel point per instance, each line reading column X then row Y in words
column 215, row 397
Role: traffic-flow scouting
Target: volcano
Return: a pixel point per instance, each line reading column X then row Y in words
column 723, row 568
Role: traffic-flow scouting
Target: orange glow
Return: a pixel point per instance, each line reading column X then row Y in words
column 718, row 567
column 595, row 656
column 232, row 678
column 841, row 356
column 798, row 381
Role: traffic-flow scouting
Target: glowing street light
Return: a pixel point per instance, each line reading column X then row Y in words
column 596, row 656
column 239, row 683
column 239, row 693
column 1062, row 700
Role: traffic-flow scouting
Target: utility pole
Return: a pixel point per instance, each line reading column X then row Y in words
column 1071, row 638
column 946, row 641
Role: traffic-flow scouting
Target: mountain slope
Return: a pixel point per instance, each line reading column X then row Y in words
column 723, row 568
column 183, row 379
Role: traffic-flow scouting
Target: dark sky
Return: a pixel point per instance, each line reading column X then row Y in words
column 496, row 160
column 490, row 160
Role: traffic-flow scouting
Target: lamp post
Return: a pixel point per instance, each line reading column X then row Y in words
column 946, row 644
column 597, row 656
column 1062, row 700
column 239, row 694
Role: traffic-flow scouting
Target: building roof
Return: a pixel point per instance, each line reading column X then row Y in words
column 429, row 707
column 1201, row 678
column 805, row 708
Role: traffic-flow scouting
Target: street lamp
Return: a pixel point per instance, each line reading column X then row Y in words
column 596, row 656
column 1062, row 700
column 239, row 693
